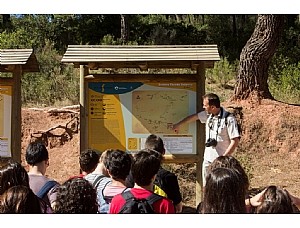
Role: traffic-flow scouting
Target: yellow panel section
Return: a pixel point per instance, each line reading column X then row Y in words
column 133, row 144
column 4, row 91
column 105, row 122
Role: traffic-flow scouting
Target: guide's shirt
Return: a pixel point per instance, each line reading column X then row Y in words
column 222, row 133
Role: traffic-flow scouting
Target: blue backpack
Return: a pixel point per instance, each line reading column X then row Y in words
column 46, row 188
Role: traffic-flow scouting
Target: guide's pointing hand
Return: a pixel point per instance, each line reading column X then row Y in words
column 175, row 127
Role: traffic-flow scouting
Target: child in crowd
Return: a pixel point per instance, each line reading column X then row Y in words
column 275, row 200
column 76, row 196
column 224, row 192
column 14, row 174
column 144, row 169
column 166, row 183
column 118, row 165
column 37, row 158
column 98, row 178
column 20, row 199
column 88, row 161
column 231, row 162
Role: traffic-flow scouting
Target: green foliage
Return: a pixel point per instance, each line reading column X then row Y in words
column 222, row 73
column 32, row 31
column 50, row 34
column 111, row 40
column 5, row 22
column 65, row 31
column 230, row 33
column 284, row 82
column 289, row 45
column 15, row 39
column 54, row 83
column 158, row 29
column 83, row 29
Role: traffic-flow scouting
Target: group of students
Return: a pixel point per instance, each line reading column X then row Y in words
column 106, row 182
column 119, row 177
column 23, row 191
column 117, row 182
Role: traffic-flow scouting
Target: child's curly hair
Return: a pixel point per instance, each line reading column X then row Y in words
column 76, row 196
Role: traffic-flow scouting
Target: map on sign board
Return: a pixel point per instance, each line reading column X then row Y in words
column 156, row 111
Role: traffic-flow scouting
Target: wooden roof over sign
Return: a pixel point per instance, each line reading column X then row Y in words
column 143, row 57
column 11, row 57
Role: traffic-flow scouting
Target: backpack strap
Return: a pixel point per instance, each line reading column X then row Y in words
column 147, row 208
column 97, row 181
column 238, row 125
column 124, row 189
column 127, row 195
column 108, row 182
column 153, row 198
column 226, row 115
column 108, row 199
column 45, row 189
column 160, row 178
column 150, row 199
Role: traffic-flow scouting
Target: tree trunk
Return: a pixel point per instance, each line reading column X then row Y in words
column 179, row 18
column 252, row 79
column 124, row 28
column 191, row 19
column 234, row 29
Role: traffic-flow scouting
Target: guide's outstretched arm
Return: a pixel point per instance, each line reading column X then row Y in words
column 186, row 120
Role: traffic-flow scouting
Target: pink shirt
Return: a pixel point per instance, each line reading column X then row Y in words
column 113, row 190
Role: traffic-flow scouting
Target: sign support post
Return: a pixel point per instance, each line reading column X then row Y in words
column 200, row 133
column 16, row 115
column 83, row 109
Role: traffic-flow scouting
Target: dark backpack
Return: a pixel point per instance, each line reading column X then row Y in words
column 238, row 115
column 138, row 206
column 160, row 179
